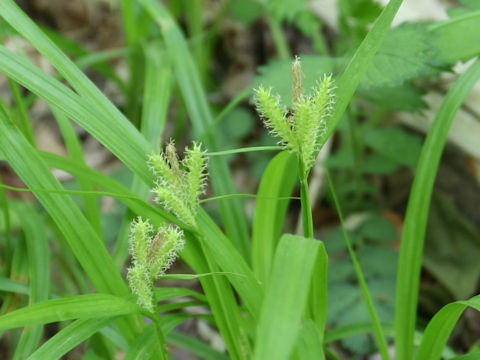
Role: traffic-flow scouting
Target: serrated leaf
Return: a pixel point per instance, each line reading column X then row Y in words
column 394, row 143
column 404, row 54
column 405, row 97
column 452, row 248
column 378, row 228
column 456, row 39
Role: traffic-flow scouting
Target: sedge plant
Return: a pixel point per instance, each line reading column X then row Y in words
column 304, row 131
column 267, row 305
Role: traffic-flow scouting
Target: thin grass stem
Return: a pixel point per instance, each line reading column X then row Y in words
column 377, row 327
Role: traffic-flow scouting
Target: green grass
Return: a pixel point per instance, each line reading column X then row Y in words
column 265, row 291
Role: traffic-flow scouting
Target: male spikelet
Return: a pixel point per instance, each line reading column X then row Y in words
column 304, row 132
column 152, row 257
column 179, row 185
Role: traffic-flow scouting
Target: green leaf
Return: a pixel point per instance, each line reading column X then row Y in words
column 456, row 39
column 404, row 54
column 230, row 261
column 245, row 11
column 38, row 254
column 284, row 9
column 451, row 248
column 379, row 164
column 413, row 235
column 378, row 228
column 405, row 97
column 395, row 144
column 195, row 346
column 359, row 63
column 69, row 337
column 195, row 100
column 102, row 119
column 14, row 286
column 87, row 247
column 285, row 297
column 278, row 180
column 440, row 328
column 166, row 293
column 75, row 307
column 308, row 344
column 471, row 356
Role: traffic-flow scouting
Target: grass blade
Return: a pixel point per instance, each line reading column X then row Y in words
column 285, row 297
column 199, row 111
column 377, row 327
column 195, row 346
column 38, row 255
column 359, row 63
column 83, row 240
column 76, row 307
column 413, row 236
column 230, row 261
column 69, row 337
column 79, row 81
column 75, row 150
column 440, row 328
column 278, row 180
column 117, row 134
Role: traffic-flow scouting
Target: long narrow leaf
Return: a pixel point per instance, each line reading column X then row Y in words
column 75, row 307
column 278, row 181
column 360, row 61
column 413, row 236
column 38, row 254
column 440, row 328
column 285, row 297
column 117, row 134
column 83, row 240
column 69, row 337
column 199, row 111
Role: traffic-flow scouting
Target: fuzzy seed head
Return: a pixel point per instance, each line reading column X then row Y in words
column 140, row 239
column 169, row 241
column 160, row 167
column 139, row 281
column 303, row 133
column 175, row 202
column 297, row 80
column 195, row 177
column 171, row 155
column 274, row 114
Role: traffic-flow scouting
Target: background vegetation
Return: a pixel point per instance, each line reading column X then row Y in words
column 89, row 89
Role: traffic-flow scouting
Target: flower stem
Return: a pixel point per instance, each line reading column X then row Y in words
column 307, row 218
column 161, row 339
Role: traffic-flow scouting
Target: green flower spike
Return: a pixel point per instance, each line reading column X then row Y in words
column 152, row 257
column 180, row 184
column 303, row 132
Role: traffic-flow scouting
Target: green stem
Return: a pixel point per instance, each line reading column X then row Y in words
column 377, row 327
column 279, row 39
column 164, row 355
column 307, row 218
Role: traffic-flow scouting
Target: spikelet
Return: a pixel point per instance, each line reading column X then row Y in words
column 179, row 185
column 274, row 114
column 141, row 285
column 140, row 233
column 160, row 167
column 304, row 132
column 175, row 202
column 195, row 177
column 152, row 257
column 164, row 251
